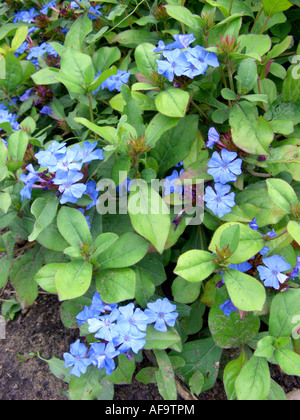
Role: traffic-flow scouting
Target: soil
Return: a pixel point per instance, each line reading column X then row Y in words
column 26, row 377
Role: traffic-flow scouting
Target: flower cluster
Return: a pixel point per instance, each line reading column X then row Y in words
column 6, row 116
column 179, row 59
column 224, row 167
column 65, row 168
column 114, row 82
column 120, row 329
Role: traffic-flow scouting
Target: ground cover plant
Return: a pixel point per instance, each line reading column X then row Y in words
column 149, row 162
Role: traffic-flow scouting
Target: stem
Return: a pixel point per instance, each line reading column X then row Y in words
column 123, row 20
column 257, row 18
column 200, row 111
column 229, row 71
column 258, row 174
column 230, row 7
column 264, row 25
column 91, row 108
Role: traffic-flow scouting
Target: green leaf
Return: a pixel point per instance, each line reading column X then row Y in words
column 271, row 7
column 88, row 386
column 157, row 127
column 123, row 373
column 78, row 32
column 145, row 288
column 246, row 293
column 282, row 194
column 184, row 291
column 127, row 250
column 13, row 73
column 247, row 76
column 203, row 356
column 5, row 201
column 265, row 347
column 294, row 230
column 107, row 133
column 132, row 111
column 195, row 265
column 185, row 16
column 45, row 76
column 254, row 381
column 250, row 243
column 175, row 144
column 231, row 332
column 77, row 67
column 230, row 238
column 165, row 376
column 172, row 102
column 116, row 285
column 288, row 361
column 228, row 94
column 46, row 275
column 160, row 340
column 17, row 145
column 102, row 242
column 19, row 38
column 105, row 57
column 149, row 214
column 231, row 372
column 51, row 238
column 146, row 59
column 284, row 310
column 57, row 367
column 101, row 78
column 73, row 279
column 253, row 135
column 73, row 227
column 22, row 275
column 44, row 211
column 196, row 382
column 133, row 38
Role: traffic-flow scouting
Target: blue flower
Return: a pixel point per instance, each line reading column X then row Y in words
column 92, row 191
column 296, row 270
column 77, row 358
column 28, row 180
column 26, row 95
column 272, row 272
column 201, row 58
column 102, row 356
column 46, row 110
column 253, row 225
column 116, row 81
column 95, row 10
column 6, row 116
column 88, row 313
column 49, row 157
column 71, row 191
column 102, row 307
column 181, row 42
column 129, row 338
column 226, row 167
column 22, row 48
column 70, row 161
column 213, row 138
column 124, row 187
column 131, row 317
column 175, row 64
column 48, row 6
column 172, row 184
column 220, row 201
column 162, row 314
column 86, row 153
column 104, row 326
column 242, row 267
column 228, row 307
column 25, row 16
